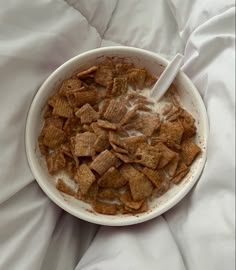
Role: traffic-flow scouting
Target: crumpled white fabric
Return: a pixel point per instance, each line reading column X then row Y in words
column 38, row 36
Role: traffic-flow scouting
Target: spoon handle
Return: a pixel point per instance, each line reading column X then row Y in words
column 167, row 77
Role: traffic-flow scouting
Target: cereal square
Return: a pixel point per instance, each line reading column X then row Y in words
column 181, row 171
column 101, row 143
column 140, row 187
column 85, row 178
column 86, row 72
column 53, row 137
column 80, row 98
column 87, row 114
column 120, row 86
column 189, row 151
column 156, row 176
column 69, row 85
column 112, row 179
column 137, row 77
column 103, row 162
column 63, row 187
column 128, row 201
column 115, row 111
column 166, row 155
column 84, row 144
column 107, row 194
column 170, row 169
column 55, row 161
column 62, row 108
column 147, row 155
column 106, row 124
column 173, row 131
column 104, row 74
column 104, row 208
column 132, row 143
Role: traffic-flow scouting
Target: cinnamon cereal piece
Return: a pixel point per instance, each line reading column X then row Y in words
column 127, row 200
column 51, row 100
column 120, row 86
column 140, row 187
column 98, row 130
column 142, row 209
column 137, row 77
column 70, row 169
column 118, row 149
column 133, row 142
column 109, row 89
column 87, row 72
column 79, row 98
column 115, row 139
column 125, row 101
column 87, row 114
column 72, row 126
column 63, row 187
column 170, row 169
column 115, row 111
column 55, row 161
column 87, row 127
column 181, row 171
column 104, row 106
column 84, row 144
column 147, row 155
column 156, row 176
column 172, row 130
column 107, row 194
column 122, row 68
column 66, row 149
column 168, row 142
column 101, row 143
column 140, row 106
column 188, row 123
column 143, row 100
column 105, row 208
column 112, row 179
column 150, row 80
column 174, row 114
column 122, row 132
column 47, row 111
column 53, row 137
column 69, row 85
column 147, row 123
column 103, row 162
column 165, row 185
column 166, row 155
column 62, row 108
column 166, row 109
column 90, row 196
column 104, row 74
column 128, row 171
column 124, row 157
column 42, row 147
column 85, row 178
column 128, row 117
column 138, row 167
column 189, row 151
column 55, row 121
column 106, row 124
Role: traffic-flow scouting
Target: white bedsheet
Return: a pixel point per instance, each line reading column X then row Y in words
column 38, row 36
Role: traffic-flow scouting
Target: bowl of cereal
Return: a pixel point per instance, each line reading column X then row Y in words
column 103, row 150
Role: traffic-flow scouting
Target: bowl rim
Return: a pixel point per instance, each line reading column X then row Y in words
column 89, row 216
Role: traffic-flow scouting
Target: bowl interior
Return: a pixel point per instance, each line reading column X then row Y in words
column 190, row 99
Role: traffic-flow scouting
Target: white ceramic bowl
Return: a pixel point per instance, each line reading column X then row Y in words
column 155, row 64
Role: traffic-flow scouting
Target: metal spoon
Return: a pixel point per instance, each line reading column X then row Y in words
column 167, row 77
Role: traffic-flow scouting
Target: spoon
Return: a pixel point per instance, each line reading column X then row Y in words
column 167, row 77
